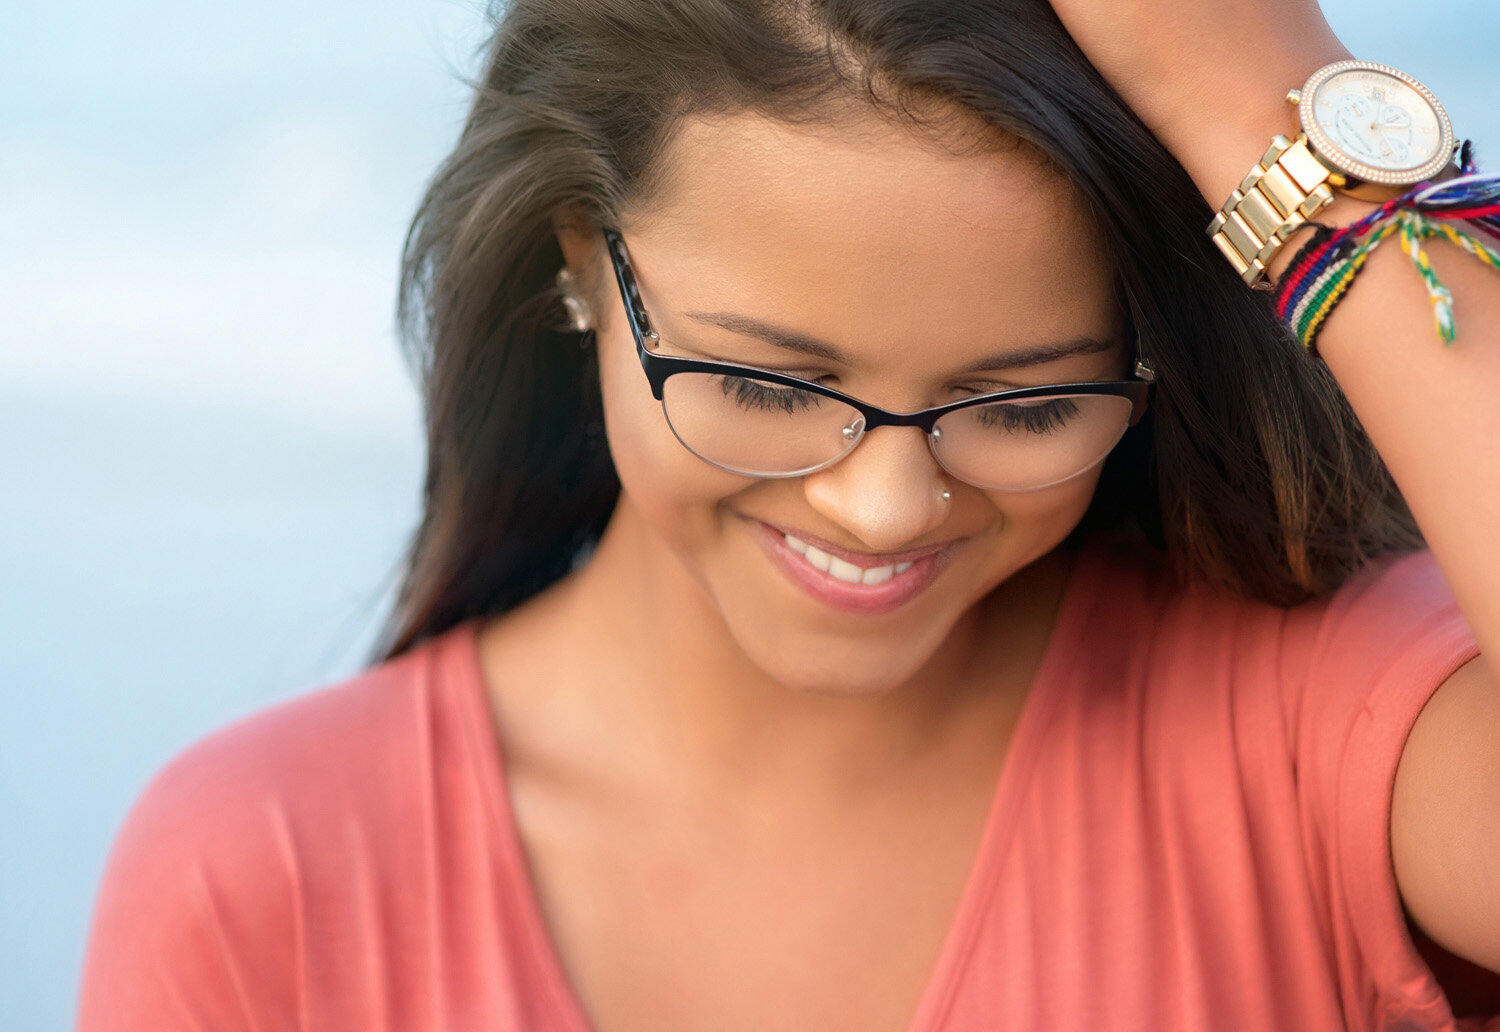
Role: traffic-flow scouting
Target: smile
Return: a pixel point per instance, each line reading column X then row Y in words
column 853, row 582
column 845, row 571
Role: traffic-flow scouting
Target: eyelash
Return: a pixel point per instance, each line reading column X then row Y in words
column 823, row 378
column 752, row 395
column 831, row 380
column 1037, row 419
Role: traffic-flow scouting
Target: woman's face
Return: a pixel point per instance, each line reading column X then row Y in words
column 918, row 268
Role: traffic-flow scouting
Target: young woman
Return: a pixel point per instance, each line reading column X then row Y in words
column 882, row 569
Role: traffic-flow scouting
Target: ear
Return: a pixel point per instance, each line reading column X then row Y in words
column 578, row 237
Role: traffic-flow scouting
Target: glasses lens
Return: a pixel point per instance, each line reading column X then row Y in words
column 1022, row 445
column 756, row 427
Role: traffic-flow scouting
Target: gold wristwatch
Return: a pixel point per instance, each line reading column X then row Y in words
column 1366, row 129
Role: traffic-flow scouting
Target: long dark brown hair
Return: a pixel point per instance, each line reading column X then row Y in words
column 1250, row 469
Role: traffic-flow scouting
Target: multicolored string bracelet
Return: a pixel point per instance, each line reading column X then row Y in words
column 1322, row 271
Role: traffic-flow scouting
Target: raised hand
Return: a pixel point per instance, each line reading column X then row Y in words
column 1208, row 77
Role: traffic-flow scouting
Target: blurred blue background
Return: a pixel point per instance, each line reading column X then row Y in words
column 210, row 450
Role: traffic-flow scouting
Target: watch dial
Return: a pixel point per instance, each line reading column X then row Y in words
column 1377, row 119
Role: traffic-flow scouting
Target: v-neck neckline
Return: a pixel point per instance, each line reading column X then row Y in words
column 945, row 980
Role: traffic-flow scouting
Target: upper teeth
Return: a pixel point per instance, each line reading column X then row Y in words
column 843, row 570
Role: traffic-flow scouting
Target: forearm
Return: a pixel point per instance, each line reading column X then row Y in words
column 1432, row 411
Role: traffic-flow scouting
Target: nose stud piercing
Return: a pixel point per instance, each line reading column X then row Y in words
column 947, row 496
column 579, row 316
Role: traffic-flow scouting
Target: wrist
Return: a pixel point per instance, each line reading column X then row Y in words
column 1221, row 131
column 1344, row 211
column 1362, row 128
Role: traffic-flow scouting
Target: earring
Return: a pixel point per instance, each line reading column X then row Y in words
column 579, row 316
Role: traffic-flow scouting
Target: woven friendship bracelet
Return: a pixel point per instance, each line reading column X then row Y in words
column 1323, row 269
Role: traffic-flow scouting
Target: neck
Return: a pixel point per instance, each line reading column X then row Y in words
column 675, row 689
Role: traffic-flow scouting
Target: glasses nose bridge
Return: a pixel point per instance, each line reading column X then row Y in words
column 871, row 418
column 874, row 418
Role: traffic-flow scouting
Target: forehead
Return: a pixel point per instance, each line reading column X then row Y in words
column 871, row 234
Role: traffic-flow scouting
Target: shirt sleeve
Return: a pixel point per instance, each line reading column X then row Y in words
column 1375, row 653
column 192, row 929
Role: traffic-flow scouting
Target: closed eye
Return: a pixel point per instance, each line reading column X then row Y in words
column 1037, row 416
column 757, row 394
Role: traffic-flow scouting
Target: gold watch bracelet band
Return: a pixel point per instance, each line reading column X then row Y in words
column 1278, row 195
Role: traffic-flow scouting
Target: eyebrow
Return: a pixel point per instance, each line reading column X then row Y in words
column 1019, row 358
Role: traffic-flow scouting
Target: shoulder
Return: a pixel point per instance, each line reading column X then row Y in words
column 339, row 747
column 203, row 890
column 1397, row 722
column 1397, row 607
column 1362, row 660
column 1396, row 671
column 1445, row 816
column 327, row 741
column 223, row 800
column 1396, row 599
column 1329, row 687
column 1377, row 676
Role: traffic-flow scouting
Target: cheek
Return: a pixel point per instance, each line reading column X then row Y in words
column 1039, row 520
column 661, row 477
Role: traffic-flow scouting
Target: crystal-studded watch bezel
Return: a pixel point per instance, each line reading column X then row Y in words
column 1335, row 156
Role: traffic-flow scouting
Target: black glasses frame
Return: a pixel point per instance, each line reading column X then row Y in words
column 659, row 367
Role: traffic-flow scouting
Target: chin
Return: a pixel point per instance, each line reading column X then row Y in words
column 839, row 684
column 841, row 669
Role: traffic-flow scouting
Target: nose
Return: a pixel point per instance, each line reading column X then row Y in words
column 887, row 493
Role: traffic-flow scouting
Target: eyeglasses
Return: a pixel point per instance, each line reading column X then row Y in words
column 760, row 423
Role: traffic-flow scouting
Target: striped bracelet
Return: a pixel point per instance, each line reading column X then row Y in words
column 1323, row 269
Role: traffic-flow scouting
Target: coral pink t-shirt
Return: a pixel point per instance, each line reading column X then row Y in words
column 1190, row 832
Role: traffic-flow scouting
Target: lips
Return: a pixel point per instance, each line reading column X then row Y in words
column 850, row 581
column 849, row 573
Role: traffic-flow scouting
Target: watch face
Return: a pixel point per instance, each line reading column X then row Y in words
column 1376, row 123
